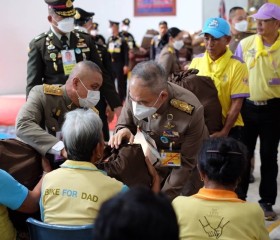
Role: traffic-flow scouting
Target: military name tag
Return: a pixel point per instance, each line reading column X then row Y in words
column 68, row 60
column 170, row 158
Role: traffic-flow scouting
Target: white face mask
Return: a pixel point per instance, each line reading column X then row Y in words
column 141, row 111
column 241, row 26
column 93, row 32
column 110, row 31
column 91, row 100
column 66, row 25
column 125, row 28
column 178, row 44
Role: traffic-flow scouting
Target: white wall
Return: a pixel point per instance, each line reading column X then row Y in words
column 211, row 7
column 23, row 20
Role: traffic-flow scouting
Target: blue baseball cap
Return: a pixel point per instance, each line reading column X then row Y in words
column 217, row 27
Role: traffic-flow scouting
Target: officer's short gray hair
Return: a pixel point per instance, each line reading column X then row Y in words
column 152, row 74
column 81, row 131
column 80, row 67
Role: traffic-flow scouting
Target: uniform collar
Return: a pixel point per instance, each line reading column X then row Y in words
column 217, row 195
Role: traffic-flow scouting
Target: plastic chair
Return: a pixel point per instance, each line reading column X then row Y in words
column 44, row 231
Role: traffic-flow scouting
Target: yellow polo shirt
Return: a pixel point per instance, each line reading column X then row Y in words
column 74, row 193
column 234, row 81
column 219, row 214
column 264, row 77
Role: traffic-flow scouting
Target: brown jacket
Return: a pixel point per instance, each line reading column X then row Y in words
column 204, row 89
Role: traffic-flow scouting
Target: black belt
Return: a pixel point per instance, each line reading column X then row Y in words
column 264, row 102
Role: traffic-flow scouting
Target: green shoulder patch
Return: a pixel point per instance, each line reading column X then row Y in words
column 183, row 106
column 52, row 90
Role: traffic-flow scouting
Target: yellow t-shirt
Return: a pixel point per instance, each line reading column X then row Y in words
column 7, row 231
column 264, row 77
column 74, row 193
column 219, row 214
column 234, row 81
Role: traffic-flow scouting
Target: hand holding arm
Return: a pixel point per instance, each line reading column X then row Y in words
column 116, row 139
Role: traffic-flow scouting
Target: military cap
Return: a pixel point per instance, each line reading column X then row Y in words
column 95, row 25
column 126, row 21
column 63, row 8
column 81, row 17
column 113, row 23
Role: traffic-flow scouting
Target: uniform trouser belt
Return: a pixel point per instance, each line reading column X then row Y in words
column 265, row 102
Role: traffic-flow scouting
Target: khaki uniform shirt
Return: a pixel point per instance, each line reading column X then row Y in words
column 42, row 116
column 168, row 60
column 191, row 130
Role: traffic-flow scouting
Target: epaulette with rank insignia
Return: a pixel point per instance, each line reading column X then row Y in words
column 170, row 49
column 52, row 90
column 183, row 106
column 40, row 36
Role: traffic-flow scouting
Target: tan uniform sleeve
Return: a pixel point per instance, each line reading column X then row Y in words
column 30, row 122
column 166, row 60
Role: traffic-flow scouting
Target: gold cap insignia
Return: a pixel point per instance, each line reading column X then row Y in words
column 52, row 90
column 69, row 3
column 77, row 15
column 183, row 106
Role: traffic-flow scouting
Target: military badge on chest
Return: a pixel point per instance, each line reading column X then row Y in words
column 169, row 156
column 52, row 51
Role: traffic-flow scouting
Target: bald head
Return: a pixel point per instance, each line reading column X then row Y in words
column 86, row 75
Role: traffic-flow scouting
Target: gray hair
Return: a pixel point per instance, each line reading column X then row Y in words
column 152, row 75
column 81, row 131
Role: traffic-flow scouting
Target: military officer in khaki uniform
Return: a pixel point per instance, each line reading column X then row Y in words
column 238, row 26
column 168, row 57
column 39, row 121
column 172, row 122
column 118, row 49
column 46, row 62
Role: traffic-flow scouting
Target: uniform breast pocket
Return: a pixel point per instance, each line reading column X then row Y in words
column 53, row 63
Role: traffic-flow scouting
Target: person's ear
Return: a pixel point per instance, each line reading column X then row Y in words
column 50, row 18
column 227, row 39
column 75, row 83
column 164, row 95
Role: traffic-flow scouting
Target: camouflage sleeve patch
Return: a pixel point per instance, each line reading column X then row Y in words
column 52, row 90
column 183, row 106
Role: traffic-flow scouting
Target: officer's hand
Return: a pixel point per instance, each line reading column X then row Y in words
column 116, row 139
column 125, row 70
column 117, row 111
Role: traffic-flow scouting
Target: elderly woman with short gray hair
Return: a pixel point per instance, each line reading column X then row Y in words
column 73, row 194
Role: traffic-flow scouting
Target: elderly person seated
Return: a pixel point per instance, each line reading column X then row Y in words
column 137, row 214
column 73, row 194
column 215, row 211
